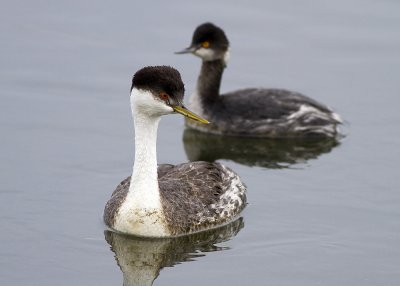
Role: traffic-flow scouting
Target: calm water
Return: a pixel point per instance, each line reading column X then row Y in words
column 318, row 214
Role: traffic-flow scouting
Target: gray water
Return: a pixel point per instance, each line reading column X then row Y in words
column 319, row 215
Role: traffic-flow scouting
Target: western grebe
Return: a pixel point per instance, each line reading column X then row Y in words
column 255, row 112
column 167, row 200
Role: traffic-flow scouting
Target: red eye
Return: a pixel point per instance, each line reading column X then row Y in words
column 163, row 96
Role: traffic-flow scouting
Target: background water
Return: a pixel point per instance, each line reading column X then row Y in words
column 332, row 218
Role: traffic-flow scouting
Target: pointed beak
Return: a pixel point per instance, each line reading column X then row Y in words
column 182, row 110
column 189, row 50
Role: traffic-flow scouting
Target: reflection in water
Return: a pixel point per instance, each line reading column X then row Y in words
column 269, row 153
column 141, row 259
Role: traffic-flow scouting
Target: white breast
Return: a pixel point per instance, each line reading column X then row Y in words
column 140, row 221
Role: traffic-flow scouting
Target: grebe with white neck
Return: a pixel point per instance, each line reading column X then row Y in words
column 252, row 112
column 167, row 200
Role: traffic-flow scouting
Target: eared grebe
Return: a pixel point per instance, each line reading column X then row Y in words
column 167, row 200
column 254, row 112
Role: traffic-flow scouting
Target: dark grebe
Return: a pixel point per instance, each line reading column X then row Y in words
column 254, row 112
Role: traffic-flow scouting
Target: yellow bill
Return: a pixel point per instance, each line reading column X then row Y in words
column 188, row 113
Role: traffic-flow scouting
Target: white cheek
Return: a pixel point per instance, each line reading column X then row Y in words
column 205, row 54
column 160, row 108
column 144, row 102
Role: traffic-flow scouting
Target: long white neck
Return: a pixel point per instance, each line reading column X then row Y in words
column 144, row 180
column 146, row 111
column 141, row 212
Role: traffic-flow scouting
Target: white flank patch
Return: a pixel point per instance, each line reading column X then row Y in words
column 232, row 196
column 309, row 113
column 337, row 117
column 306, row 109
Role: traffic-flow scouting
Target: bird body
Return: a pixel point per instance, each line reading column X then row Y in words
column 167, row 200
column 252, row 112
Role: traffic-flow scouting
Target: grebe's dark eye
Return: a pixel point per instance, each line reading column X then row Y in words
column 164, row 96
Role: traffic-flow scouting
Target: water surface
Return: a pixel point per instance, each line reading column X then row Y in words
column 328, row 215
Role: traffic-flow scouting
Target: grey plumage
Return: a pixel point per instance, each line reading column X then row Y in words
column 194, row 196
column 115, row 202
column 166, row 200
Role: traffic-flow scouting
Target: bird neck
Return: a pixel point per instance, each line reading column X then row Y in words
column 209, row 80
column 144, row 180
